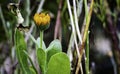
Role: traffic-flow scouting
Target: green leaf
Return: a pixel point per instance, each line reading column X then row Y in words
column 54, row 47
column 32, row 70
column 20, row 47
column 59, row 64
column 33, row 67
column 41, row 56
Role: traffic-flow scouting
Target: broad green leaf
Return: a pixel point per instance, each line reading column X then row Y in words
column 41, row 56
column 38, row 44
column 59, row 64
column 54, row 47
column 20, row 47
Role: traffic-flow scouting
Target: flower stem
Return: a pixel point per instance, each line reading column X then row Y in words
column 87, row 54
column 41, row 38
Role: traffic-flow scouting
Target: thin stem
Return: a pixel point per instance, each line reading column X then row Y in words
column 58, row 21
column 27, row 11
column 118, row 4
column 84, row 36
column 31, row 36
column 86, row 10
column 76, row 23
column 40, row 6
column 87, row 55
column 74, row 32
column 71, row 44
column 30, row 31
column 73, row 27
column 114, row 64
column 41, row 38
column 88, row 21
column 79, row 7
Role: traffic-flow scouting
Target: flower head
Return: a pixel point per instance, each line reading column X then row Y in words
column 41, row 19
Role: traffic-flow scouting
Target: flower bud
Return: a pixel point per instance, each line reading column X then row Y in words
column 42, row 20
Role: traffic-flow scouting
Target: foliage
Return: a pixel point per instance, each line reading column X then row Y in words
column 75, row 36
column 51, row 60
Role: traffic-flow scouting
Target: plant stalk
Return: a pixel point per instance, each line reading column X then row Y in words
column 87, row 55
column 88, row 17
column 41, row 38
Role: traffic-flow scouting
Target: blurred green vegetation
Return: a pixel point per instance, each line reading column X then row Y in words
column 105, row 23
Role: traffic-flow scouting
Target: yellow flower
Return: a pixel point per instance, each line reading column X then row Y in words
column 41, row 19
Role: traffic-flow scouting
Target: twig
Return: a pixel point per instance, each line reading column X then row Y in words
column 27, row 11
column 77, row 29
column 88, row 22
column 40, row 6
column 114, row 64
column 74, row 31
column 73, row 28
column 30, row 31
column 79, row 7
column 84, row 36
column 83, row 27
column 87, row 55
column 76, row 22
column 58, row 21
